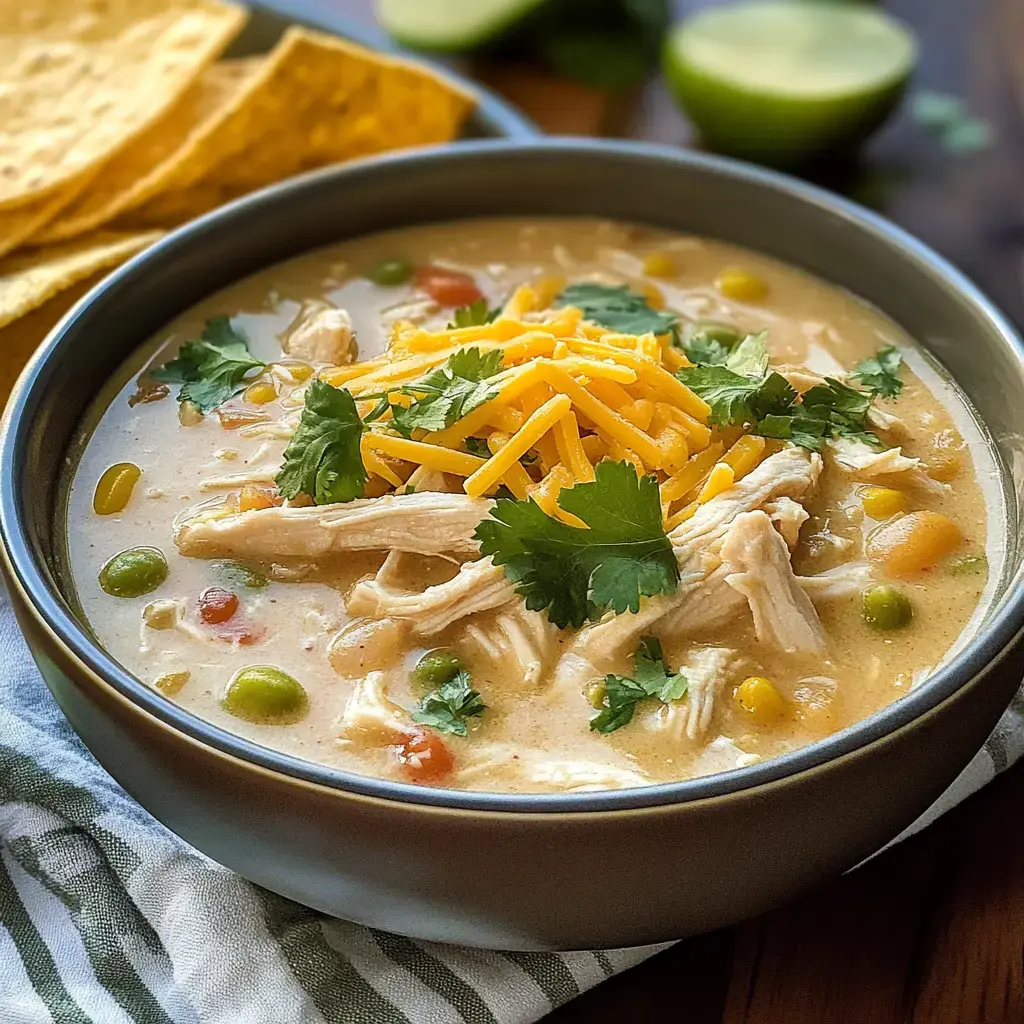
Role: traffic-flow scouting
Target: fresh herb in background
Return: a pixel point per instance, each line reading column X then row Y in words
column 212, row 369
column 447, row 708
column 617, row 308
column 651, row 678
column 476, row 314
column 577, row 574
column 323, row 459
column 948, row 119
column 880, row 373
column 450, row 392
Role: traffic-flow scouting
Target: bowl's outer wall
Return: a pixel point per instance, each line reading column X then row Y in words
column 499, row 879
column 528, row 881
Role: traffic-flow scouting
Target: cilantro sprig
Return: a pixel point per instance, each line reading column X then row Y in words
column 323, row 458
column 577, row 574
column 476, row 314
column 880, row 373
column 618, row 308
column 651, row 678
column 213, row 368
column 450, row 392
column 447, row 708
column 744, row 391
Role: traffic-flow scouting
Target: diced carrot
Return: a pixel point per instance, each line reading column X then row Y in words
column 913, row 543
column 424, row 756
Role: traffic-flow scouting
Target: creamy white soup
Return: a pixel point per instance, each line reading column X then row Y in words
column 541, row 505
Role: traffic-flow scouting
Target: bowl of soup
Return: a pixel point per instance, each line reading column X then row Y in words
column 559, row 545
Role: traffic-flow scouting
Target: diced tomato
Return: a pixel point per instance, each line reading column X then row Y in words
column 231, row 418
column 424, row 756
column 244, row 636
column 447, row 287
column 253, row 496
column 217, row 605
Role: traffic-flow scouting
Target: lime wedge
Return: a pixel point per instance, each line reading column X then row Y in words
column 450, row 25
column 784, row 81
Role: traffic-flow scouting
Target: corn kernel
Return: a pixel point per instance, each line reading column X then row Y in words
column 944, row 466
column 883, row 502
column 741, row 286
column 659, row 264
column 253, row 497
column 260, row 392
column 114, row 489
column 760, row 699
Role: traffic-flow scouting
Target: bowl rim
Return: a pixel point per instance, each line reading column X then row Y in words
column 48, row 606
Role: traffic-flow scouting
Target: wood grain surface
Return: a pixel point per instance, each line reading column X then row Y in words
column 931, row 932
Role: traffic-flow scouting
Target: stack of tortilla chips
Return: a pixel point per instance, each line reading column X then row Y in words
column 118, row 121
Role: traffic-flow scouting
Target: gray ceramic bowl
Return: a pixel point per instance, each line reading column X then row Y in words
column 540, row 871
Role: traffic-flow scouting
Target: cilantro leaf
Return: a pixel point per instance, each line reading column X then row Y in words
column 799, row 429
column 750, row 357
column 212, row 369
column 709, row 344
column 323, row 459
column 476, row 314
column 844, row 410
column 880, row 373
column 617, row 308
column 651, row 678
column 736, row 399
column 577, row 574
column 449, row 392
column 447, row 708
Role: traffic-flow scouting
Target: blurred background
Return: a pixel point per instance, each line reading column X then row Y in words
column 911, row 107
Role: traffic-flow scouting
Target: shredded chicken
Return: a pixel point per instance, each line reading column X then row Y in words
column 322, row 336
column 862, row 462
column 845, row 580
column 707, row 670
column 722, row 754
column 760, row 570
column 542, row 771
column 524, row 636
column 370, row 717
column 701, row 600
column 427, row 523
column 477, row 587
column 787, row 516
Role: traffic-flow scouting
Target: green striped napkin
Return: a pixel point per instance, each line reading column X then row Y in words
column 108, row 918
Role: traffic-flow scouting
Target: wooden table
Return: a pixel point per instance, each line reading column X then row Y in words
column 931, row 932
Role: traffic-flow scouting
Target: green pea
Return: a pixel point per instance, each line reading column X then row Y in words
column 238, row 574
column 265, row 695
column 389, row 273
column 885, row 607
column 134, row 572
column 436, row 667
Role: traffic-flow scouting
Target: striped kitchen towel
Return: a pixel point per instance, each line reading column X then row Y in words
column 108, row 918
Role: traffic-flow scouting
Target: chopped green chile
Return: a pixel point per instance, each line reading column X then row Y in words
column 390, row 273
column 134, row 572
column 265, row 695
column 436, row 667
column 238, row 574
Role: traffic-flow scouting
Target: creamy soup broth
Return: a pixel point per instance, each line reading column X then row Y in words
column 535, row 733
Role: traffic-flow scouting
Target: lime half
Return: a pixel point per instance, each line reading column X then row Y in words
column 784, row 81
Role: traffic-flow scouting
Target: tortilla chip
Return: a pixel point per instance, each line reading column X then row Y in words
column 143, row 168
column 80, row 79
column 21, row 223
column 317, row 100
column 19, row 340
column 32, row 276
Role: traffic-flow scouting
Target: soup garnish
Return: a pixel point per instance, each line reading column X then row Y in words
column 558, row 505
